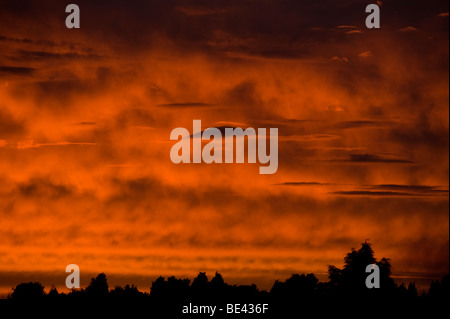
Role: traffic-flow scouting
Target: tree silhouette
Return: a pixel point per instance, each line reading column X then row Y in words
column 127, row 292
column 299, row 296
column 217, row 282
column 200, row 286
column 298, row 286
column 28, row 292
column 53, row 292
column 218, row 288
column 98, row 287
column 440, row 290
column 352, row 278
column 167, row 296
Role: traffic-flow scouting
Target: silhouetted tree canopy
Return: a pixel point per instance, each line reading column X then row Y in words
column 352, row 278
column 217, row 282
column 98, row 286
column 299, row 295
column 28, row 291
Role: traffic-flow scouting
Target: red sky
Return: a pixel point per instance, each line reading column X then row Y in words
column 86, row 116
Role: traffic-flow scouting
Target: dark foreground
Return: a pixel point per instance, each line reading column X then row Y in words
column 301, row 296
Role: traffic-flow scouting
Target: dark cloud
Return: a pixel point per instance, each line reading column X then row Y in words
column 292, row 26
column 397, row 190
column 43, row 188
column 17, row 40
column 16, row 70
column 369, row 193
column 413, row 189
column 405, row 187
column 45, row 44
column 45, row 55
column 374, row 158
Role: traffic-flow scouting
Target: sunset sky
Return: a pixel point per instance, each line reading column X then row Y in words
column 86, row 116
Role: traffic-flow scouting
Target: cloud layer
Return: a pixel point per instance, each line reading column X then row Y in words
column 86, row 115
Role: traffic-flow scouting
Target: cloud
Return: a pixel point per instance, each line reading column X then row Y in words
column 40, row 188
column 387, row 190
column 302, row 184
column 86, row 123
column 409, row 29
column 375, row 158
column 186, row 105
column 368, row 193
column 45, row 55
column 340, row 59
column 354, row 32
column 15, row 70
column 360, row 124
column 347, row 27
column 86, row 117
column 366, row 54
column 406, row 187
column 9, row 126
column 419, row 190
column 309, row 138
column 429, row 135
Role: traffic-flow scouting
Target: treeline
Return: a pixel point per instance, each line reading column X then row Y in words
column 345, row 293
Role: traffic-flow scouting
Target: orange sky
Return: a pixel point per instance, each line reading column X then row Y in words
column 86, row 116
